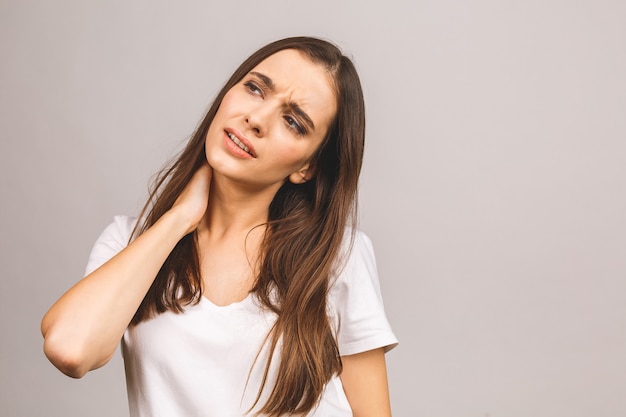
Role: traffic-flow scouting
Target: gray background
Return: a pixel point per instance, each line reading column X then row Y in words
column 493, row 186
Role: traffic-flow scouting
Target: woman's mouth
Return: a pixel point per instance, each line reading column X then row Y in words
column 239, row 143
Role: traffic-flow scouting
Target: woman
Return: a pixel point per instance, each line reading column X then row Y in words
column 244, row 290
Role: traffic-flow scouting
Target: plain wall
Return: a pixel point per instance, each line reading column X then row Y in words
column 494, row 185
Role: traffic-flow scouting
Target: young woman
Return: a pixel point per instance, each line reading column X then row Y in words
column 244, row 288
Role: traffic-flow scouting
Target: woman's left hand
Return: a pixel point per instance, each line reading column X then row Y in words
column 192, row 203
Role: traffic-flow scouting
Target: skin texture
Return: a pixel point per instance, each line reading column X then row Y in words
column 364, row 380
column 225, row 201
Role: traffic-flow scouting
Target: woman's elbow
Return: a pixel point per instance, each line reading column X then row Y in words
column 67, row 358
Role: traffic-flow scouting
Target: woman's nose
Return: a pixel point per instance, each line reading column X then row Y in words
column 257, row 120
column 254, row 126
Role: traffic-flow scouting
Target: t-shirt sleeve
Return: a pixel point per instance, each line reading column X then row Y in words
column 112, row 240
column 357, row 304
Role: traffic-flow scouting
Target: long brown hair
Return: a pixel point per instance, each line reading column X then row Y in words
column 302, row 241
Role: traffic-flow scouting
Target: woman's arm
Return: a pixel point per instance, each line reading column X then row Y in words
column 82, row 329
column 364, row 380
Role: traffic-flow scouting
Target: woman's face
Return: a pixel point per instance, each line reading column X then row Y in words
column 270, row 124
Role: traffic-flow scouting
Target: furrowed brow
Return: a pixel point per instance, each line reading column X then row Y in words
column 269, row 84
column 265, row 79
column 302, row 114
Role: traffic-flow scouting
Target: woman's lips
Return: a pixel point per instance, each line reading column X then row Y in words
column 240, row 141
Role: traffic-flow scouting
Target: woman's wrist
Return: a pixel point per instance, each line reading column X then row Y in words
column 177, row 223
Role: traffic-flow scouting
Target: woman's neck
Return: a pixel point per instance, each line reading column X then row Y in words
column 234, row 208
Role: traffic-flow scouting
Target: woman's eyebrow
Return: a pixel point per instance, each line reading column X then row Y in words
column 269, row 84
column 265, row 79
column 298, row 110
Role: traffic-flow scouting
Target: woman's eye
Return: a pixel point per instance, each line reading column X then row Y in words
column 253, row 88
column 293, row 124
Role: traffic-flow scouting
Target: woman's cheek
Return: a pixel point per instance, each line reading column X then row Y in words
column 293, row 156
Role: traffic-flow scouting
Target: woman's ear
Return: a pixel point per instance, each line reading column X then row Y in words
column 303, row 174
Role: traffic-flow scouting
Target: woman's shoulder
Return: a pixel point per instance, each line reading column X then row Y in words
column 112, row 240
column 357, row 243
column 356, row 258
column 355, row 300
column 120, row 229
column 124, row 222
column 363, row 242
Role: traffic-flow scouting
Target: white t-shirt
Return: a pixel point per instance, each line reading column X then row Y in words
column 202, row 362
